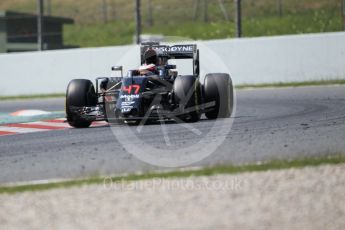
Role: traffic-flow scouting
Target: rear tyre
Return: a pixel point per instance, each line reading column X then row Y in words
column 80, row 93
column 218, row 89
column 187, row 93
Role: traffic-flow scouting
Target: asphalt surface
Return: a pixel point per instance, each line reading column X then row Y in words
column 51, row 104
column 268, row 124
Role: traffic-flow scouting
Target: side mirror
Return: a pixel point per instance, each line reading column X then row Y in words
column 118, row 68
column 170, row 67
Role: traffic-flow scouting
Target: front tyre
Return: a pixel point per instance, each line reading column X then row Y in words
column 187, row 95
column 218, row 89
column 80, row 93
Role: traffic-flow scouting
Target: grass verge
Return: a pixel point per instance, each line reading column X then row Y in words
column 34, row 96
column 293, row 84
column 221, row 169
column 243, row 86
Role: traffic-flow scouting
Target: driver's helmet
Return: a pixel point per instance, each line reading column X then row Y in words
column 150, row 57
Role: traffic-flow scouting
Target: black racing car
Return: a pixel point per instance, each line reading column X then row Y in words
column 155, row 94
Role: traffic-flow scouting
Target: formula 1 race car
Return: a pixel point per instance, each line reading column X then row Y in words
column 154, row 92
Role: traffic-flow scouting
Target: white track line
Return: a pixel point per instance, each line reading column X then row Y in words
column 52, row 124
column 99, row 123
column 60, row 119
column 21, row 130
column 47, row 124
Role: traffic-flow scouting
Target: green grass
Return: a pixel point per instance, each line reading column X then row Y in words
column 111, row 34
column 293, row 84
column 310, row 21
column 260, row 18
column 34, row 96
column 221, row 169
column 120, row 33
column 306, row 22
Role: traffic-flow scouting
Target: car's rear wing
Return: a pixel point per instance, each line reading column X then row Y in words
column 188, row 51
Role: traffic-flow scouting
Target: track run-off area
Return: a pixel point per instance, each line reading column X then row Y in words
column 271, row 123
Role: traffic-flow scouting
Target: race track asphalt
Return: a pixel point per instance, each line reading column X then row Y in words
column 268, row 124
